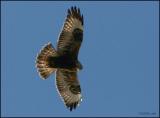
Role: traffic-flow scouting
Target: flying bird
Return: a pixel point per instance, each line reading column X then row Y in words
column 63, row 61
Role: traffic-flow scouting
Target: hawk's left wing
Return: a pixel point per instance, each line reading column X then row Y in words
column 68, row 87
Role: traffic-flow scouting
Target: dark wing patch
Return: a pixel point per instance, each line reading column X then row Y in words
column 68, row 87
column 73, row 27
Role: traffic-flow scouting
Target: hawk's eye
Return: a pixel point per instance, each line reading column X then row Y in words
column 75, row 89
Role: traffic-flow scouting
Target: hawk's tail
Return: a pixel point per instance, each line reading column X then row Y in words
column 43, row 62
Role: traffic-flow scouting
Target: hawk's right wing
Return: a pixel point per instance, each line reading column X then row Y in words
column 68, row 87
column 71, row 36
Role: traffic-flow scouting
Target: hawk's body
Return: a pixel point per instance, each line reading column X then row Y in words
column 64, row 60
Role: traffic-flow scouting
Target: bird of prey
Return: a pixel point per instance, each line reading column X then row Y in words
column 63, row 61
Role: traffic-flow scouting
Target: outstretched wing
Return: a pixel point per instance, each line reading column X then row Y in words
column 72, row 33
column 68, row 87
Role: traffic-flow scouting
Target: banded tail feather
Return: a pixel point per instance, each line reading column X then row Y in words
column 43, row 62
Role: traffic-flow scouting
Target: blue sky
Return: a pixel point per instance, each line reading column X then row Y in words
column 119, row 54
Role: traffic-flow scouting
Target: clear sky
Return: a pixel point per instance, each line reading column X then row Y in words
column 119, row 54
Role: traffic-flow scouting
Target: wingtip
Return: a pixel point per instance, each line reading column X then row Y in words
column 72, row 106
column 75, row 12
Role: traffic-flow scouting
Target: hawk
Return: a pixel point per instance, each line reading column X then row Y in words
column 63, row 61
